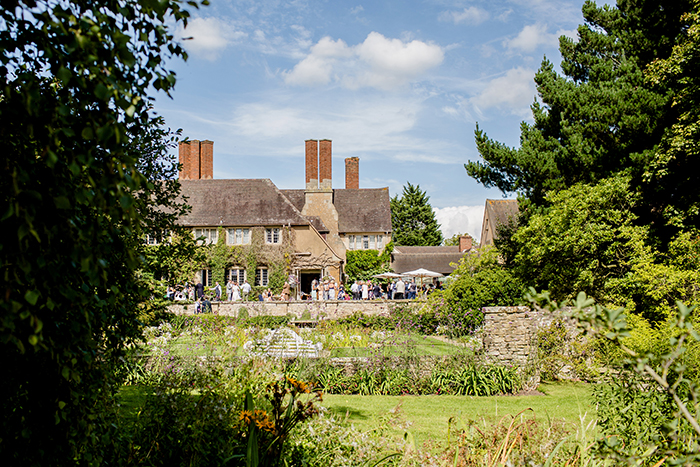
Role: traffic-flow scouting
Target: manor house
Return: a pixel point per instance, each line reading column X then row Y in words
column 314, row 226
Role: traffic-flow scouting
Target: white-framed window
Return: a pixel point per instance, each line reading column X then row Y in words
column 365, row 242
column 157, row 239
column 236, row 275
column 273, row 235
column 210, row 235
column 206, row 277
column 261, row 277
column 238, row 236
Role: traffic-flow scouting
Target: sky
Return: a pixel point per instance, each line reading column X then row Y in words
column 399, row 84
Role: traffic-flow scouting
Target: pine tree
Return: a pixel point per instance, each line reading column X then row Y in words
column 413, row 219
column 603, row 116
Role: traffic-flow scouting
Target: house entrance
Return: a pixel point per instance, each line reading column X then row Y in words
column 306, row 277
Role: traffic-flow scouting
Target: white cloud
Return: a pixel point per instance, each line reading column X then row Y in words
column 357, row 10
column 535, row 35
column 377, row 62
column 460, row 219
column 472, row 15
column 514, row 91
column 209, row 37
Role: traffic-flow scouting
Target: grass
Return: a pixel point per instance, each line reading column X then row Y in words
column 422, row 345
column 427, row 417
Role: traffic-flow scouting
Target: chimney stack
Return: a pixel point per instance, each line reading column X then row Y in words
column 352, row 173
column 197, row 159
column 206, row 159
column 465, row 243
column 311, row 164
column 325, row 165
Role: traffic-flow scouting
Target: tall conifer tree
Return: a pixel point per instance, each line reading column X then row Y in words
column 413, row 219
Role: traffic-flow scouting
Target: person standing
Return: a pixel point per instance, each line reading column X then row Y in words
column 331, row 289
column 365, row 290
column 400, row 289
column 285, row 291
column 198, row 290
column 355, row 289
column 245, row 288
column 217, row 292
column 235, row 292
column 229, row 290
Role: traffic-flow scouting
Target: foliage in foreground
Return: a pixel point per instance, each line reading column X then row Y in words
column 83, row 181
column 649, row 410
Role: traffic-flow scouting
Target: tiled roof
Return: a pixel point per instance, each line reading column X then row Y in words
column 241, row 202
column 359, row 210
column 296, row 197
column 363, row 210
column 432, row 258
column 502, row 210
column 318, row 224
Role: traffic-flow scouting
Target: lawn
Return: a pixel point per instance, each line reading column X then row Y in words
column 427, row 417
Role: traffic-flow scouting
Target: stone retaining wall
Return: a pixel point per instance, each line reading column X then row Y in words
column 507, row 335
column 329, row 309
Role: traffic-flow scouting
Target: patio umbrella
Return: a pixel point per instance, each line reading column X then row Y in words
column 422, row 273
column 387, row 275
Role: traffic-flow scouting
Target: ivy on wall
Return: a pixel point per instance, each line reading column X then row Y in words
column 276, row 257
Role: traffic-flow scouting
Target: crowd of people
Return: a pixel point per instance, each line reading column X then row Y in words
column 321, row 289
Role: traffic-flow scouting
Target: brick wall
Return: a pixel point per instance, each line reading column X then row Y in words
column 325, row 165
column 311, row 164
column 352, row 173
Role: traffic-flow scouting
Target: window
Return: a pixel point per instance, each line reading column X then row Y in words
column 261, row 277
column 238, row 236
column 156, row 239
column 206, row 277
column 365, row 242
column 210, row 235
column 272, row 235
column 236, row 275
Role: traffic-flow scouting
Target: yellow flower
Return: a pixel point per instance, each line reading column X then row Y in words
column 246, row 416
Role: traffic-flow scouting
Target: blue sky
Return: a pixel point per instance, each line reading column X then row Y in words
column 401, row 85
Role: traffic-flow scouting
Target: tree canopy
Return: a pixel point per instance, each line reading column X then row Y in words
column 608, row 172
column 603, row 116
column 84, row 163
column 413, row 219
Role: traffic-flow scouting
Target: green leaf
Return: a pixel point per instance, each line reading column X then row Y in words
column 31, row 296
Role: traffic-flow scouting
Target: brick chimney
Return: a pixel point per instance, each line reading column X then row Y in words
column 465, row 243
column 325, row 165
column 311, row 164
column 352, row 173
column 197, row 159
column 206, row 159
column 184, row 159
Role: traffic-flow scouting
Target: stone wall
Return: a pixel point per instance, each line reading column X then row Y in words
column 331, row 309
column 507, row 335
